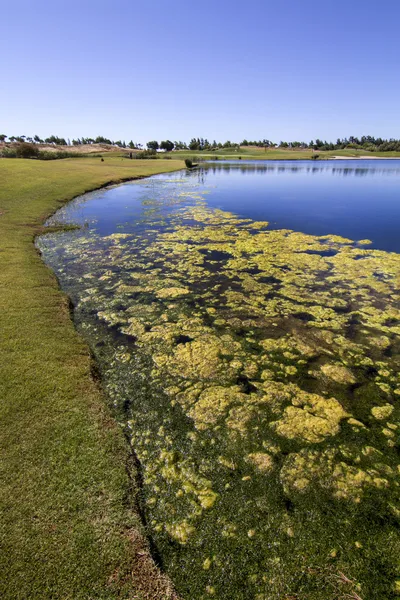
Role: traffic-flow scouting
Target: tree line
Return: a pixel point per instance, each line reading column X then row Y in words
column 54, row 140
column 366, row 142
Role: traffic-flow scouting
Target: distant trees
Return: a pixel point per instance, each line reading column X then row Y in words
column 259, row 144
column 203, row 144
column 194, row 144
column 366, row 142
column 55, row 140
column 167, row 145
column 181, row 145
column 102, row 140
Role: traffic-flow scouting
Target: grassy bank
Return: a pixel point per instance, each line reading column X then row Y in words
column 245, row 152
column 69, row 528
column 254, row 153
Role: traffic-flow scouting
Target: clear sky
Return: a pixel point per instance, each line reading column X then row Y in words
column 221, row 69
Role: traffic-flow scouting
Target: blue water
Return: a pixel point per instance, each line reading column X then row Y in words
column 354, row 199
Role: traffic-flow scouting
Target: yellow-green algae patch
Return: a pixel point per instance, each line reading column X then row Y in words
column 257, row 375
column 311, row 419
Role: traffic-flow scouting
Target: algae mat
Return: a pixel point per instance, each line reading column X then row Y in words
column 256, row 374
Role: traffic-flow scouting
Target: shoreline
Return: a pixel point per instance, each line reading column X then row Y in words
column 65, row 482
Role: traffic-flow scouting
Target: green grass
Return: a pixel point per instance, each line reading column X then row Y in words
column 254, row 153
column 69, row 527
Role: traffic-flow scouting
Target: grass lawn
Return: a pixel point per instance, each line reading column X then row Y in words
column 254, row 153
column 69, row 527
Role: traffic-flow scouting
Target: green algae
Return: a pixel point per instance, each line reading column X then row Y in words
column 258, row 381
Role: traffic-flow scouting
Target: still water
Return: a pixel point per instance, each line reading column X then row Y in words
column 253, row 366
column 354, row 199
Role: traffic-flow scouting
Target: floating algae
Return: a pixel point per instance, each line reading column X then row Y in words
column 257, row 374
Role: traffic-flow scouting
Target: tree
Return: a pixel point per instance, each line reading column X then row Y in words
column 167, row 145
column 153, row 145
column 2, row 137
column 54, row 139
column 131, row 145
column 102, row 140
column 194, row 144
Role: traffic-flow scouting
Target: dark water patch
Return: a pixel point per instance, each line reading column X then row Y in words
column 342, row 310
column 268, row 279
column 321, row 252
column 304, row 316
column 245, row 384
column 391, row 322
column 183, row 339
column 217, row 255
column 253, row 271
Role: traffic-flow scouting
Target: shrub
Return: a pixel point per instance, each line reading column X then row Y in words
column 9, row 153
column 49, row 155
column 25, row 150
column 147, row 154
column 188, row 163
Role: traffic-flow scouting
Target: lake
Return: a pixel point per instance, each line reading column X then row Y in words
column 355, row 199
column 245, row 319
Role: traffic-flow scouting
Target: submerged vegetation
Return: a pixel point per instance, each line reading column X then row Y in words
column 256, row 374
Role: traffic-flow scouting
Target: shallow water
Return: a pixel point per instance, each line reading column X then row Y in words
column 255, row 370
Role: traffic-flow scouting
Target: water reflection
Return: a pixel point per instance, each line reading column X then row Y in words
column 246, row 167
column 355, row 199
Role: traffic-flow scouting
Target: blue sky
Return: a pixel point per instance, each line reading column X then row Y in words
column 140, row 70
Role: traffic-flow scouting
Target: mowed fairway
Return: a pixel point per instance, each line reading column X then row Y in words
column 69, row 527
